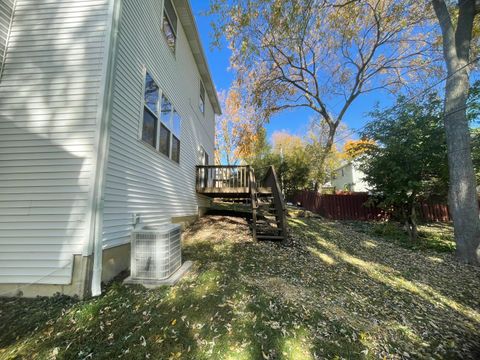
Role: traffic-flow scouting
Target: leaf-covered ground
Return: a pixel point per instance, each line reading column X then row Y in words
column 431, row 236
column 338, row 293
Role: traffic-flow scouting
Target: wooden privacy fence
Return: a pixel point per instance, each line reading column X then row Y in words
column 435, row 212
column 354, row 207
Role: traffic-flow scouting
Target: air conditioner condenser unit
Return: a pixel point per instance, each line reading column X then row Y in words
column 156, row 256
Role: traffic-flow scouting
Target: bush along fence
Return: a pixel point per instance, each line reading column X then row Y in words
column 356, row 206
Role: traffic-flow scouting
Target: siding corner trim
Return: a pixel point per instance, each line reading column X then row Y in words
column 5, row 26
column 102, row 145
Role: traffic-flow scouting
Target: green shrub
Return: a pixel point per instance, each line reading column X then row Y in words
column 388, row 229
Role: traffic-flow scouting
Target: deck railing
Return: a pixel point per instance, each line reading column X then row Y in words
column 223, row 176
column 272, row 181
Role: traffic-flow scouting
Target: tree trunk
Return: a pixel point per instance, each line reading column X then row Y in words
column 413, row 223
column 326, row 151
column 463, row 198
column 410, row 218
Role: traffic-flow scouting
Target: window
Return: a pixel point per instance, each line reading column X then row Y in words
column 176, row 125
column 165, row 117
column 203, row 157
column 149, row 131
column 150, row 111
column 164, row 140
column 206, row 159
column 170, row 24
column 166, row 113
column 202, row 98
column 175, row 149
column 161, row 122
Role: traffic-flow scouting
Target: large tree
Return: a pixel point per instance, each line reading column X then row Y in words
column 237, row 131
column 323, row 55
column 323, row 165
column 457, row 29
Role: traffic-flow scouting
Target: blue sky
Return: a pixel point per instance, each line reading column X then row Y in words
column 294, row 121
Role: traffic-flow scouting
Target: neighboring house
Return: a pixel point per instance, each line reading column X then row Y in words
column 106, row 108
column 349, row 177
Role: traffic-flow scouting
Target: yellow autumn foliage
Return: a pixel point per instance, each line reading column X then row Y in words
column 352, row 149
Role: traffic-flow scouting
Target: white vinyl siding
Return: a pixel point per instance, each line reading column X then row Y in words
column 139, row 179
column 49, row 95
column 349, row 177
column 6, row 13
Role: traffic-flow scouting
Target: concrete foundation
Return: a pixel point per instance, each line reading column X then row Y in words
column 172, row 280
column 80, row 285
column 184, row 221
column 202, row 211
column 115, row 260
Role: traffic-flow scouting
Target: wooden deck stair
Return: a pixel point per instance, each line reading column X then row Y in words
column 265, row 196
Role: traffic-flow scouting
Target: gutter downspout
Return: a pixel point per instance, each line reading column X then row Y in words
column 104, row 118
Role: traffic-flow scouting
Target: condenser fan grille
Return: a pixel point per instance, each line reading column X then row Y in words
column 156, row 254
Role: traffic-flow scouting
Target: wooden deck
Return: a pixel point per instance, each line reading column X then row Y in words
column 239, row 182
column 224, row 181
column 225, row 192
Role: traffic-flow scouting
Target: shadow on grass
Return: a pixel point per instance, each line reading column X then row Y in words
column 436, row 237
column 327, row 297
column 429, row 269
column 401, row 286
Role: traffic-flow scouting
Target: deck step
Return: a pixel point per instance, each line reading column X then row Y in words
column 261, row 222
column 264, row 208
column 264, row 190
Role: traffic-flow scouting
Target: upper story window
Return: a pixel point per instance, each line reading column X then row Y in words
column 170, row 24
column 202, row 98
column 161, row 122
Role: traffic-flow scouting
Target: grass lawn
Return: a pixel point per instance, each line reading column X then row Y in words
column 341, row 292
column 431, row 236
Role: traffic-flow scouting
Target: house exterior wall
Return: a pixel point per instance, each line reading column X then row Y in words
column 49, row 100
column 349, row 177
column 359, row 184
column 139, row 180
column 343, row 177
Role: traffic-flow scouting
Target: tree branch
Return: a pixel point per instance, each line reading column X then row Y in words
column 463, row 34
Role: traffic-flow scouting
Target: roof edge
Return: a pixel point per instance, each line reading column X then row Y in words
column 190, row 27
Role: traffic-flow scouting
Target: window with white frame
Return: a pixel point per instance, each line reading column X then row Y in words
column 202, row 98
column 161, row 122
column 204, row 159
column 150, row 111
column 165, row 133
column 176, row 124
column 170, row 24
